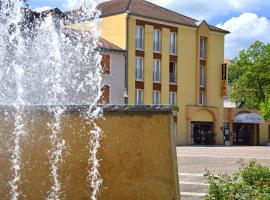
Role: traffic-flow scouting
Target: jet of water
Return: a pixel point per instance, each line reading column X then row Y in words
column 43, row 63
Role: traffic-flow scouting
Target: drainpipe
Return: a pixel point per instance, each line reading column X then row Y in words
column 126, row 56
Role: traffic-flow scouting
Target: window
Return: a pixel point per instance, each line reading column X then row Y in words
column 139, row 68
column 203, row 48
column 139, row 37
column 172, row 98
column 202, row 76
column 156, row 97
column 139, row 97
column 105, row 97
column 173, row 43
column 105, row 64
column 172, row 72
column 157, row 40
column 202, row 96
column 156, row 70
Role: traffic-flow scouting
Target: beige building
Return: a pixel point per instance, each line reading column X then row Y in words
column 171, row 59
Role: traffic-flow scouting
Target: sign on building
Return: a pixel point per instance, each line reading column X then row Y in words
column 224, row 80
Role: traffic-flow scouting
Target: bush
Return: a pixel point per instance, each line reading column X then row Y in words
column 251, row 182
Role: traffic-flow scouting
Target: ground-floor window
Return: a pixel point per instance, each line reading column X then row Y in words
column 202, row 133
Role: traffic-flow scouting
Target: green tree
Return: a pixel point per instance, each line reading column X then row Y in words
column 250, row 76
column 265, row 108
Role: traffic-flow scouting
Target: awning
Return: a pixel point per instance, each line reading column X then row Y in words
column 249, row 118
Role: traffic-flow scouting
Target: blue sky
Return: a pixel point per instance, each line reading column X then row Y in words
column 247, row 20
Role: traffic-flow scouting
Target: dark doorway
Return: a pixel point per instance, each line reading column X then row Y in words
column 202, row 133
column 243, row 134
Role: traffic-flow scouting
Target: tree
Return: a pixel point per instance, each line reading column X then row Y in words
column 265, row 108
column 250, row 76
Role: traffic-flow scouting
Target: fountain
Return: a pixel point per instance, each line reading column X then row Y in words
column 44, row 65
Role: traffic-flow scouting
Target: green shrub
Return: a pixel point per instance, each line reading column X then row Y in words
column 251, row 182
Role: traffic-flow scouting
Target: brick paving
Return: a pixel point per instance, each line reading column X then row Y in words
column 194, row 160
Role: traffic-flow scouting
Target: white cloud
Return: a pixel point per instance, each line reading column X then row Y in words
column 40, row 9
column 245, row 29
column 73, row 4
column 202, row 9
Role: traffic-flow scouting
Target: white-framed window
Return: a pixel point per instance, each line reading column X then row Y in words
column 139, row 68
column 139, row 38
column 173, row 43
column 172, row 98
column 139, row 97
column 172, row 72
column 202, row 76
column 202, row 96
column 157, row 40
column 156, row 70
column 156, row 97
column 202, row 48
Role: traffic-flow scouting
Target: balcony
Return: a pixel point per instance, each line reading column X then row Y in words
column 173, row 78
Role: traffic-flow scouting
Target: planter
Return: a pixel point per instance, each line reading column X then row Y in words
column 268, row 143
column 227, row 143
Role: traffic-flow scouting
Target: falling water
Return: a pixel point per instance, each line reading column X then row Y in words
column 44, row 63
column 11, row 44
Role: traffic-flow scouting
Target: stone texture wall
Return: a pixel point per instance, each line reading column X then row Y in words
column 137, row 156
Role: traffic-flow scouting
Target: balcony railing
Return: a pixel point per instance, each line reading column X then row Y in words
column 172, row 77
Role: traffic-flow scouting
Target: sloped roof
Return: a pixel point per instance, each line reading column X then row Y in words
column 105, row 44
column 227, row 61
column 147, row 9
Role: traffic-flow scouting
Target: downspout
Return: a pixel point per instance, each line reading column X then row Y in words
column 126, row 55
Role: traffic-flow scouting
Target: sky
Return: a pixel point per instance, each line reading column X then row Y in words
column 247, row 20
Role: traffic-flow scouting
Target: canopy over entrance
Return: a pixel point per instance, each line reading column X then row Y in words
column 248, row 118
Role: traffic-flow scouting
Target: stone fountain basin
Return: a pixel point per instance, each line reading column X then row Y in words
column 137, row 154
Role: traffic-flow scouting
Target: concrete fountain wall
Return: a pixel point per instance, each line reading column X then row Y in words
column 137, row 155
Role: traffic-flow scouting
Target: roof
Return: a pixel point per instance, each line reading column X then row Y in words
column 106, row 45
column 227, row 61
column 146, row 9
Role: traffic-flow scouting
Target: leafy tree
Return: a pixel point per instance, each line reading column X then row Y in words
column 265, row 108
column 250, row 76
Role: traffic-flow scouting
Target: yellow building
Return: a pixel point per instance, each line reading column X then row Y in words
column 171, row 59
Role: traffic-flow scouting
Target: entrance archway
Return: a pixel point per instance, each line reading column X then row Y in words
column 202, row 128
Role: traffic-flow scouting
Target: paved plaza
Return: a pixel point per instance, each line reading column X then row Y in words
column 194, row 160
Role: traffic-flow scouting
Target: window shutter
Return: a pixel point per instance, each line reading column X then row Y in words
column 105, row 98
column 105, row 63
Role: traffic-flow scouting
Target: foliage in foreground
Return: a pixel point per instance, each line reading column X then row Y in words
column 251, row 182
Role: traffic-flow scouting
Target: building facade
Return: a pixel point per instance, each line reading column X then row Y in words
column 113, row 73
column 171, row 59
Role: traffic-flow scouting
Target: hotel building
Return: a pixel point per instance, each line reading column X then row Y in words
column 170, row 59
